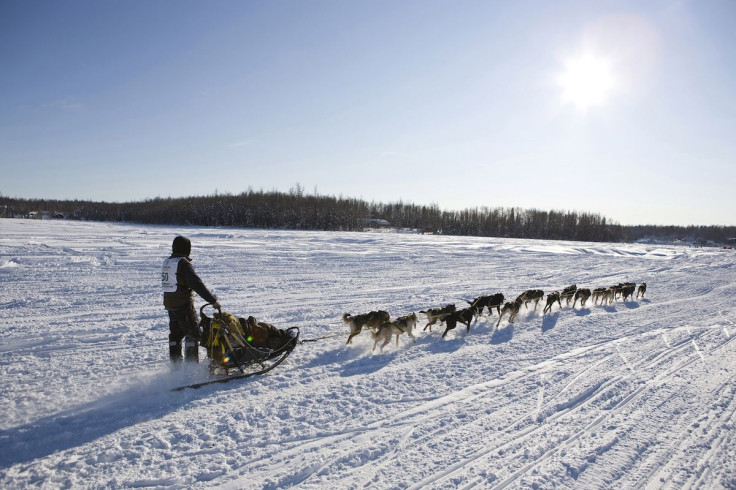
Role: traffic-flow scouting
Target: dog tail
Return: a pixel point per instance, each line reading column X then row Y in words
column 376, row 334
column 346, row 317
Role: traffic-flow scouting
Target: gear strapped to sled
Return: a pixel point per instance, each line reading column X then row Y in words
column 233, row 342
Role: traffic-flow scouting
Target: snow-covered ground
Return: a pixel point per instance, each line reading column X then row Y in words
column 636, row 394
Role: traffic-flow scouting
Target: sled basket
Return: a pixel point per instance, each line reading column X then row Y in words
column 233, row 342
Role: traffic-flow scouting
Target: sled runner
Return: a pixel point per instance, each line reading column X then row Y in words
column 239, row 348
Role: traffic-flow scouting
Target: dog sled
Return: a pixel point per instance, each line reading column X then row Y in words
column 239, row 348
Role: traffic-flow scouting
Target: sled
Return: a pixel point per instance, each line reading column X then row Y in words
column 239, row 348
column 266, row 367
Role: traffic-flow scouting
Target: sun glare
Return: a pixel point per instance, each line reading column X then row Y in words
column 586, row 81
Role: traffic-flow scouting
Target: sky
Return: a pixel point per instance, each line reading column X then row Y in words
column 621, row 108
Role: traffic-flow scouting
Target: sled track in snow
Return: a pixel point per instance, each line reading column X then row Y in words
column 629, row 398
column 665, row 465
column 586, row 399
column 414, row 427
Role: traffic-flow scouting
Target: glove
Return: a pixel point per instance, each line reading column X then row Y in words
column 216, row 305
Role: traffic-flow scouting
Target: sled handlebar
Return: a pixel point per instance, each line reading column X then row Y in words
column 201, row 310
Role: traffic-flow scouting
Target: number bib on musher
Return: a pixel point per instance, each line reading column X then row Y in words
column 168, row 274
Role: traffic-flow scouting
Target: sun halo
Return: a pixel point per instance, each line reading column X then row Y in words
column 586, row 81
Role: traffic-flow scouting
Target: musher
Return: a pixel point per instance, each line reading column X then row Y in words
column 178, row 281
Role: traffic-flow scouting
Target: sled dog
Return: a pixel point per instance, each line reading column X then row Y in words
column 531, row 295
column 512, row 308
column 641, row 290
column 627, row 290
column 490, row 302
column 582, row 295
column 551, row 299
column 597, row 294
column 371, row 320
column 464, row 316
column 403, row 324
column 568, row 293
column 437, row 314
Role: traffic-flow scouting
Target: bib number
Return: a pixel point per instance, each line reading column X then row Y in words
column 168, row 274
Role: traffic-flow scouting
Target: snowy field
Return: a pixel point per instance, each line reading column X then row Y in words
column 638, row 394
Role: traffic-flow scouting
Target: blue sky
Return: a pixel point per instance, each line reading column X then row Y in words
column 621, row 108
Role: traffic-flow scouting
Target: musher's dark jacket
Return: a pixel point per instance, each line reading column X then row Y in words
column 187, row 281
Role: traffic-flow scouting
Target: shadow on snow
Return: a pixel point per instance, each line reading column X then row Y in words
column 90, row 421
column 550, row 321
column 503, row 335
column 582, row 311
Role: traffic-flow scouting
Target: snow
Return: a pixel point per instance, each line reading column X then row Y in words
column 638, row 394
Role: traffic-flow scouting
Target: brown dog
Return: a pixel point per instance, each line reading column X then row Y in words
column 568, row 293
column 582, row 295
column 371, row 320
column 437, row 314
column 512, row 308
column 597, row 294
column 551, row 298
column 531, row 295
column 403, row 324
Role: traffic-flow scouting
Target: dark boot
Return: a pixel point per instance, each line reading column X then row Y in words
column 191, row 349
column 175, row 351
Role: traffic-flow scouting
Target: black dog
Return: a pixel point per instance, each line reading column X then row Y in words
column 490, row 302
column 465, row 316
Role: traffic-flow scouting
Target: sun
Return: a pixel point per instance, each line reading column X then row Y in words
column 586, row 81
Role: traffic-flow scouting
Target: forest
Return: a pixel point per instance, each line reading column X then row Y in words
column 300, row 211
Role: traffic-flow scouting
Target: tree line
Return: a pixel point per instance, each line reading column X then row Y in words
column 299, row 211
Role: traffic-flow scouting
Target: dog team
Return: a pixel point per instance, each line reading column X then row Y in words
column 382, row 328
